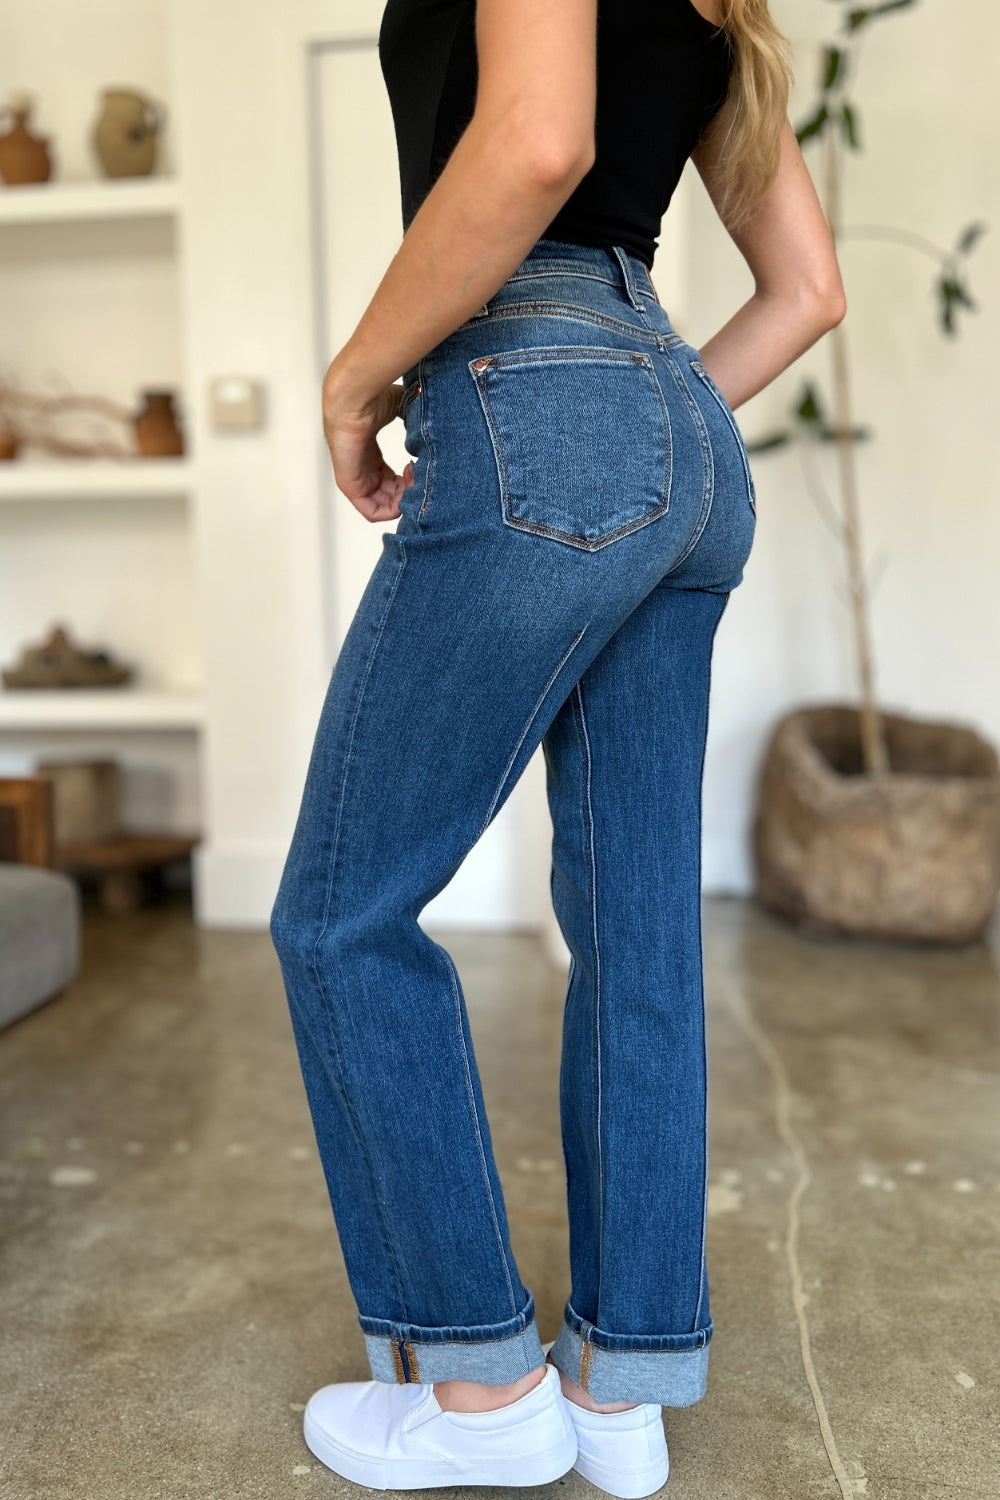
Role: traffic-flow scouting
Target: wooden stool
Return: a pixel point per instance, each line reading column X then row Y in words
column 123, row 864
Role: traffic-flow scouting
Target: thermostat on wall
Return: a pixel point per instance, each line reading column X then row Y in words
column 236, row 401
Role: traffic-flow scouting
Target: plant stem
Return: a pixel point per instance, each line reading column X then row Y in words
column 888, row 232
column 873, row 748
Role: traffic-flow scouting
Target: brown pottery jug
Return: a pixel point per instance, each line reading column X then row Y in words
column 126, row 132
column 23, row 157
column 157, row 430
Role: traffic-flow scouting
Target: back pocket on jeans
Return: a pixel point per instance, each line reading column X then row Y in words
column 581, row 437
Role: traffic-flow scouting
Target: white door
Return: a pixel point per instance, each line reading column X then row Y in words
column 356, row 230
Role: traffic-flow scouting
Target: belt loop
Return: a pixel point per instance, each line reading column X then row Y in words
column 628, row 277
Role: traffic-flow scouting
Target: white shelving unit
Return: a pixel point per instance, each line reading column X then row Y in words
column 133, row 479
column 92, row 481
column 79, row 202
column 99, row 708
column 91, row 293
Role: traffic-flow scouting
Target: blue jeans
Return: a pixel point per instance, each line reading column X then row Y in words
column 582, row 508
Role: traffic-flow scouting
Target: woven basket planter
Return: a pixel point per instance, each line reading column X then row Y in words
column 913, row 855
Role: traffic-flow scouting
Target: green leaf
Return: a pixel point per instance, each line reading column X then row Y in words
column 814, row 125
column 770, row 441
column 970, row 235
column 952, row 295
column 861, row 15
column 947, row 310
column 849, row 120
column 808, row 409
column 833, row 59
column 811, row 414
column 953, row 289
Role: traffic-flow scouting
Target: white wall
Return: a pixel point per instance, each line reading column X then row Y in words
column 928, row 479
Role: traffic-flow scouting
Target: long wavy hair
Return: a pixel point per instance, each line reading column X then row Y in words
column 759, row 86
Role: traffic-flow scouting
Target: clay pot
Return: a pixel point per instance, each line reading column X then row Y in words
column 912, row 855
column 125, row 135
column 157, row 431
column 23, row 157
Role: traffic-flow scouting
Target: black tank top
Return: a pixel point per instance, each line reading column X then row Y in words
column 662, row 73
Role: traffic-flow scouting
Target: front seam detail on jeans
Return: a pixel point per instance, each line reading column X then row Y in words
column 724, row 407
column 427, row 439
column 704, row 1042
column 586, row 1354
column 588, row 812
column 479, row 1134
column 320, row 985
column 397, row 1361
column 530, row 720
column 708, row 461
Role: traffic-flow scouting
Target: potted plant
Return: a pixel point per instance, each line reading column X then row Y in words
column 867, row 822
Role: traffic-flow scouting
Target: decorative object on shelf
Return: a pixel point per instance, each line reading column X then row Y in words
column 157, row 430
column 47, row 422
column 23, row 157
column 59, row 663
column 90, row 843
column 86, row 796
column 912, row 856
column 126, row 133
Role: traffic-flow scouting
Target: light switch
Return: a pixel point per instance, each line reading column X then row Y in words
column 236, row 401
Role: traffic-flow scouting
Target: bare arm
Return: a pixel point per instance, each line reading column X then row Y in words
column 788, row 246
column 529, row 142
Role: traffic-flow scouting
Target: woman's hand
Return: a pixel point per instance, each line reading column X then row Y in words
column 349, row 425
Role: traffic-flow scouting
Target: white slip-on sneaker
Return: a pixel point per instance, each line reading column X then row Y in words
column 397, row 1437
column 622, row 1452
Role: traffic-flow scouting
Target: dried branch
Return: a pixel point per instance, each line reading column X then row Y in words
column 29, row 418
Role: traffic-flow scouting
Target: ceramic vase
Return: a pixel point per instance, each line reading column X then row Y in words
column 23, row 157
column 157, row 431
column 126, row 133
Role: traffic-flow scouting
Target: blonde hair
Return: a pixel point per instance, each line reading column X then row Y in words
column 759, row 85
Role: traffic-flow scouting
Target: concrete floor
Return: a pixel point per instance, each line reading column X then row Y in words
column 171, row 1288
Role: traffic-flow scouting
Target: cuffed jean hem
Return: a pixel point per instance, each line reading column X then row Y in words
column 665, row 1369
column 490, row 1354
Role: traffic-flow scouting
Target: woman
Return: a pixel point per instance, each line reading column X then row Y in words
column 578, row 509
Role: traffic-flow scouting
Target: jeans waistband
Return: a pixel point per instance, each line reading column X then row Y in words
column 612, row 263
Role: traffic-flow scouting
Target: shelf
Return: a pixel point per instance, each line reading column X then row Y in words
column 100, row 708
column 115, row 198
column 96, row 479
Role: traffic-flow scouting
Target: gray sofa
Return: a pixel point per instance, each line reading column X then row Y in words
column 39, row 905
column 39, row 936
